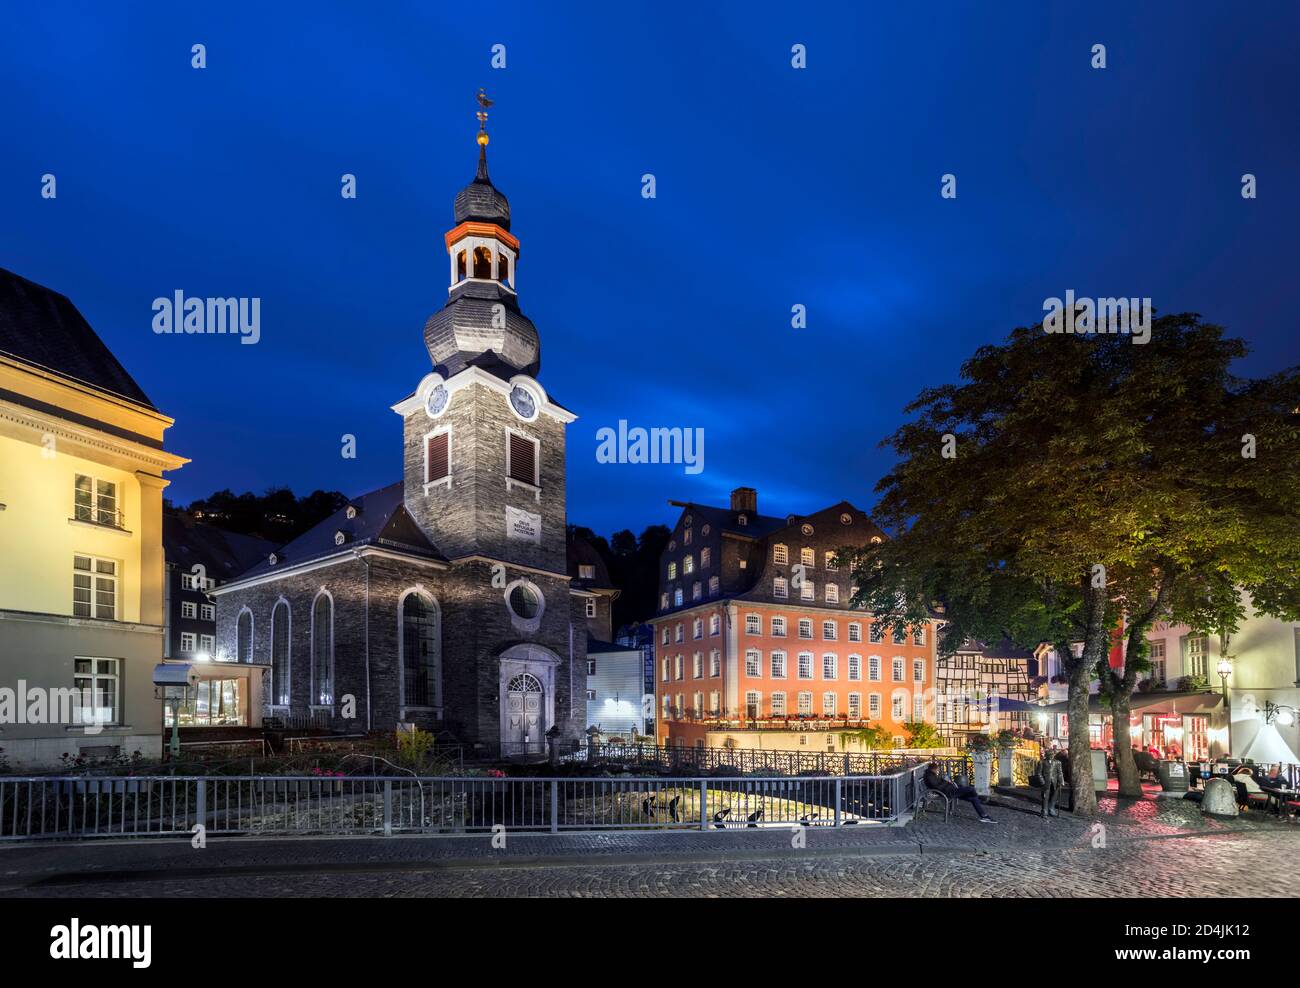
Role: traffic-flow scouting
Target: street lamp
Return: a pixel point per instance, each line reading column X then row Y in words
column 1224, row 669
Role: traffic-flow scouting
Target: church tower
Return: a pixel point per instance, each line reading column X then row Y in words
column 483, row 441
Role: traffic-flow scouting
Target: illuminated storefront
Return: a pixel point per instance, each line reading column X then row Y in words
column 213, row 703
column 1190, row 726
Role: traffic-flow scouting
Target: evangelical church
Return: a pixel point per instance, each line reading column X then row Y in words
column 444, row 600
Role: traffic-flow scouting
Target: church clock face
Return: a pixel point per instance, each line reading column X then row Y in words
column 524, row 402
column 436, row 402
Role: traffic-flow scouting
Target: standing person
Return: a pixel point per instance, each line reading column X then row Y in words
column 935, row 781
column 1053, row 776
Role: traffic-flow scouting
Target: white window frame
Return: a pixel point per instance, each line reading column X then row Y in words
column 431, row 482
column 830, row 661
column 118, row 512
column 779, row 664
column 805, row 623
column 855, row 631
column 777, row 699
column 780, row 554
column 95, row 576
column 808, row 590
column 854, row 711
column 91, row 712
column 800, row 666
column 779, row 621
column 753, row 624
column 208, row 612
column 873, row 705
column 855, row 668
column 189, row 610
column 780, row 589
column 832, row 593
column 753, row 663
column 511, row 482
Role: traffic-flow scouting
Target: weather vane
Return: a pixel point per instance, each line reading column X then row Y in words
column 484, row 102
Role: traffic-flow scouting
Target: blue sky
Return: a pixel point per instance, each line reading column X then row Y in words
column 775, row 187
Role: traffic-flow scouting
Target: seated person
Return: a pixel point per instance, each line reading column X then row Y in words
column 1246, row 782
column 1275, row 779
column 935, row 781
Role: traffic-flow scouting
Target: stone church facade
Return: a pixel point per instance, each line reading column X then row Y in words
column 444, row 599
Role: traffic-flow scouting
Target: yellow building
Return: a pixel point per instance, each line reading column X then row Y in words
column 81, row 555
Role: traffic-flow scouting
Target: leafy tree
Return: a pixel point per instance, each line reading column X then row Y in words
column 872, row 737
column 1094, row 480
column 921, row 735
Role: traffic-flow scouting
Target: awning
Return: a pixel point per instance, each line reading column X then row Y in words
column 1268, row 747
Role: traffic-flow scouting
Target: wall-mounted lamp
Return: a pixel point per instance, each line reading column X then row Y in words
column 1279, row 713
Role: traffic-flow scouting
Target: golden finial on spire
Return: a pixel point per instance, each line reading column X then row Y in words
column 484, row 102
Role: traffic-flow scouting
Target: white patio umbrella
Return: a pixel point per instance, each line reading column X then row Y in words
column 1268, row 747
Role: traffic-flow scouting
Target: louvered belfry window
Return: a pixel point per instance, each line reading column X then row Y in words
column 523, row 459
column 439, row 466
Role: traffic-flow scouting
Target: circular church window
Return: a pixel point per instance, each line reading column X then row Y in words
column 524, row 601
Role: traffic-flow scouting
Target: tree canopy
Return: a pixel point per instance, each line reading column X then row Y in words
column 1070, row 481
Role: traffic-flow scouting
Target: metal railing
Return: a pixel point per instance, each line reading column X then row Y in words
column 77, row 808
column 743, row 760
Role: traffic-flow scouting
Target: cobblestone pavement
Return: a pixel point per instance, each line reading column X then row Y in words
column 1139, row 849
column 1201, row 866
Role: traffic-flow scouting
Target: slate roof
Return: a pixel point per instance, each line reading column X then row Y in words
column 481, row 201
column 381, row 521
column 223, row 554
column 43, row 328
column 580, row 552
column 1005, row 648
column 725, row 520
column 467, row 326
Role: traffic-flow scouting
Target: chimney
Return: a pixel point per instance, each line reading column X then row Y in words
column 745, row 499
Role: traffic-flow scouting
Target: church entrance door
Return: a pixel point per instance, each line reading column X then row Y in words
column 525, row 703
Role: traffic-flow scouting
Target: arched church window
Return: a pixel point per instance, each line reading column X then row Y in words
column 244, row 637
column 322, row 651
column 280, row 655
column 462, row 269
column 524, row 683
column 421, row 650
column 482, row 263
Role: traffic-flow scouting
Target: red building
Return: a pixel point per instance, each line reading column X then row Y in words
column 756, row 644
